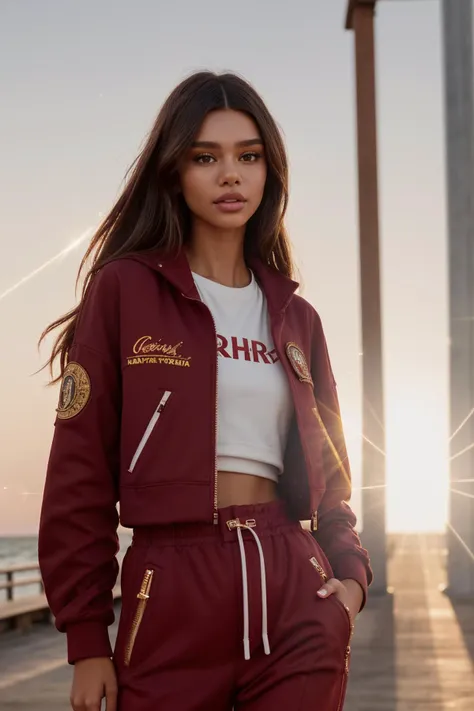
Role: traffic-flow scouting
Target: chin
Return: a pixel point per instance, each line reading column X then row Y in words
column 233, row 221
column 228, row 221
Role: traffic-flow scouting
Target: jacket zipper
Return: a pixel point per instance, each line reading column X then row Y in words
column 154, row 419
column 215, row 515
column 142, row 596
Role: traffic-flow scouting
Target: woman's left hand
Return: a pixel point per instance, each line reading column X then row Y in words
column 348, row 591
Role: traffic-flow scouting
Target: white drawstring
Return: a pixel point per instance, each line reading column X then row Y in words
column 263, row 578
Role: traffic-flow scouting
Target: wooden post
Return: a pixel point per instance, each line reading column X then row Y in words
column 10, row 586
column 459, row 111
column 361, row 20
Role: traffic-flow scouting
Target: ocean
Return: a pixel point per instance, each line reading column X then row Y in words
column 22, row 550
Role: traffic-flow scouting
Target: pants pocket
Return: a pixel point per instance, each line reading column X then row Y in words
column 142, row 601
column 345, row 612
column 342, row 696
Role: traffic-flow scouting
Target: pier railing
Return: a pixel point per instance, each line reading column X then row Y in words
column 21, row 611
column 9, row 580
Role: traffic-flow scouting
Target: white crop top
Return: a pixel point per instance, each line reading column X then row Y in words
column 254, row 406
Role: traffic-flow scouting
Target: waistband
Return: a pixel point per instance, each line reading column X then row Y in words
column 266, row 519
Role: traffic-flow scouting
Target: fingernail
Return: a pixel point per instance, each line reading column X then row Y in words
column 323, row 592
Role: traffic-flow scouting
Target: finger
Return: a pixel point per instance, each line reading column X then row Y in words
column 92, row 705
column 87, row 705
column 111, row 698
column 329, row 588
column 79, row 704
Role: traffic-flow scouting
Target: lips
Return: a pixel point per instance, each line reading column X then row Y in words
column 230, row 198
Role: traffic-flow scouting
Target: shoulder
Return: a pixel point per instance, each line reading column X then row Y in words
column 109, row 292
column 118, row 269
column 306, row 313
column 116, row 276
column 103, row 297
column 106, row 278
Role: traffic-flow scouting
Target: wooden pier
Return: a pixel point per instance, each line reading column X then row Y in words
column 20, row 613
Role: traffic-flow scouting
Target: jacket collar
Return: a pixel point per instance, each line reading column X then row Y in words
column 277, row 287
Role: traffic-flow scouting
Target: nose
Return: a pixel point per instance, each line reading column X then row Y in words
column 229, row 175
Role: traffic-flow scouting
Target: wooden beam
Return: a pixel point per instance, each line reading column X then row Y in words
column 459, row 112
column 352, row 4
column 373, row 444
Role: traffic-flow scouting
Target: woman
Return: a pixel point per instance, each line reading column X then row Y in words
column 198, row 394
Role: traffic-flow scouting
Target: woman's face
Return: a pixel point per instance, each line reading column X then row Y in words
column 226, row 159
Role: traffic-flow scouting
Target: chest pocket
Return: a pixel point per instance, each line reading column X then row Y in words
column 152, row 424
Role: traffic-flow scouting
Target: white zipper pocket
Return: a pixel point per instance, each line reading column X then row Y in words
column 146, row 436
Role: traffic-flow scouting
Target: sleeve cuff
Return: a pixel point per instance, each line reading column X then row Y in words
column 350, row 566
column 86, row 640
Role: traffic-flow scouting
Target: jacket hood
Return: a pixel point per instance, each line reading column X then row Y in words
column 278, row 288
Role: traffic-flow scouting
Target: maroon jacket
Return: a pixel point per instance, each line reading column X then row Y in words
column 136, row 424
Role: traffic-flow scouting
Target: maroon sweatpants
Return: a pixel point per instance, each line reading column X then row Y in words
column 180, row 643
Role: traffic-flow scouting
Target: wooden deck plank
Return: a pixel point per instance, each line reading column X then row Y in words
column 414, row 649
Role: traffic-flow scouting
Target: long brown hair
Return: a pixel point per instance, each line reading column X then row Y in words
column 151, row 214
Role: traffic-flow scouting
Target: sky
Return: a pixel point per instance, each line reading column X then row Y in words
column 81, row 83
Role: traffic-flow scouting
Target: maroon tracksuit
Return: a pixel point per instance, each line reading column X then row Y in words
column 219, row 605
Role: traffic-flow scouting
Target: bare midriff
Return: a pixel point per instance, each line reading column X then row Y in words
column 235, row 489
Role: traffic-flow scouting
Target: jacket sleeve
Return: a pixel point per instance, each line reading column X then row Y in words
column 336, row 521
column 78, row 539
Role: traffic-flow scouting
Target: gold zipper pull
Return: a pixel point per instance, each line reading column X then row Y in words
column 319, row 568
column 346, row 659
column 144, row 593
column 314, row 521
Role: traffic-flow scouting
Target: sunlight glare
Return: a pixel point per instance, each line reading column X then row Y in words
column 87, row 234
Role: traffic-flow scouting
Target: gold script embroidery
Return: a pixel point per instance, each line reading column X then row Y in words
column 143, row 345
column 168, row 354
column 143, row 360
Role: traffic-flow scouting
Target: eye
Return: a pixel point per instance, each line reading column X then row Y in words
column 203, row 158
column 251, row 156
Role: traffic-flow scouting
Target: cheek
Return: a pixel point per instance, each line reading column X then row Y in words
column 259, row 180
column 195, row 186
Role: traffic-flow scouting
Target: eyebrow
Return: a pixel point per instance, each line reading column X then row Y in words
column 213, row 144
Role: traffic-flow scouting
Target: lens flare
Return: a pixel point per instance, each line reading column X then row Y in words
column 63, row 253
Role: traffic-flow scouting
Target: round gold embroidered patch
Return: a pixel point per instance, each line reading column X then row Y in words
column 298, row 362
column 75, row 391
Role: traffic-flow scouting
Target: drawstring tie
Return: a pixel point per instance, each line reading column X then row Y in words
column 249, row 525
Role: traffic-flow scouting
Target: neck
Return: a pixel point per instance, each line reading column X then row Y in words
column 219, row 256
